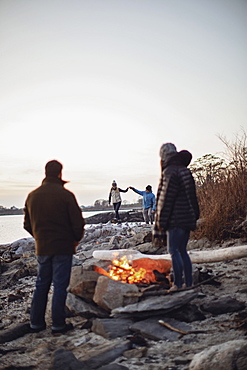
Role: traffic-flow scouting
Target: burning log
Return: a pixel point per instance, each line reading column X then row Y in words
column 143, row 270
column 212, row 255
column 162, row 266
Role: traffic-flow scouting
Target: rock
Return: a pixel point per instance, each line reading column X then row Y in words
column 104, row 217
column 226, row 356
column 14, row 297
column 200, row 244
column 151, row 329
column 96, row 233
column 88, row 261
column 23, row 246
column 147, row 248
column 136, row 352
column 82, row 283
column 78, row 307
column 115, row 240
column 66, row 360
column 111, row 328
column 17, row 269
column 97, row 356
column 141, row 235
column 189, row 313
column 113, row 367
column 109, row 294
column 157, row 305
column 223, row 305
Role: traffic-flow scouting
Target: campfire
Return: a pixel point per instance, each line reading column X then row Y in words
column 143, row 270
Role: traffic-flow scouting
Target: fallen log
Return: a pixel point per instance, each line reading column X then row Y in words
column 14, row 332
column 212, row 255
column 218, row 255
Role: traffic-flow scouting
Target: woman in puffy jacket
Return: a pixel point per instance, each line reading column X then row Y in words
column 177, row 211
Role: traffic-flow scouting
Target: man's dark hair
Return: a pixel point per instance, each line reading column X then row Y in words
column 53, row 168
column 185, row 157
column 149, row 188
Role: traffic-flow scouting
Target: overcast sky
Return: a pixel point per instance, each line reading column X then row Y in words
column 100, row 85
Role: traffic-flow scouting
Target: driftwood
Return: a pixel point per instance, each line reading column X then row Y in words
column 212, row 255
column 218, row 255
column 182, row 332
column 14, row 332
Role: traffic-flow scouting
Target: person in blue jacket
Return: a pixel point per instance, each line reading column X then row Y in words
column 148, row 203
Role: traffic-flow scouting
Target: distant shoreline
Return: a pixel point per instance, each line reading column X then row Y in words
column 20, row 211
column 11, row 212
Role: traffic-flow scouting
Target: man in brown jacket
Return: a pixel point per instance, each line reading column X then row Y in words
column 54, row 219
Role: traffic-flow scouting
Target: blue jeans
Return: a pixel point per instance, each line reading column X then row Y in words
column 51, row 269
column 181, row 263
column 116, row 207
column 148, row 215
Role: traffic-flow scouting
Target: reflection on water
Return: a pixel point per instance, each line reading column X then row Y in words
column 11, row 227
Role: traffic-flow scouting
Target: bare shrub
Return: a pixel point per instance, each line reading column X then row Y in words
column 222, row 191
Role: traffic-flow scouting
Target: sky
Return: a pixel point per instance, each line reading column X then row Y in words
column 100, row 85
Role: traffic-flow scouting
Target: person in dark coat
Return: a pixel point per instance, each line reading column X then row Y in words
column 177, row 210
column 53, row 217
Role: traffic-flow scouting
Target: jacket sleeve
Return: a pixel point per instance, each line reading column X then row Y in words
column 138, row 191
column 190, row 189
column 109, row 200
column 76, row 219
column 123, row 191
column 167, row 197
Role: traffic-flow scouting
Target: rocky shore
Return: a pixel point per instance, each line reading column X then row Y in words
column 126, row 326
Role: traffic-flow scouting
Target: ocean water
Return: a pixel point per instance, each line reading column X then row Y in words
column 11, row 227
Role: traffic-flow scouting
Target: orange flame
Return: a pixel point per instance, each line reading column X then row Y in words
column 138, row 271
column 121, row 270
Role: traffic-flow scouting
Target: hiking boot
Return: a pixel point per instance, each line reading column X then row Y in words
column 37, row 329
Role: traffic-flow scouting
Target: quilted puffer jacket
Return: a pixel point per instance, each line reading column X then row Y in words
column 177, row 204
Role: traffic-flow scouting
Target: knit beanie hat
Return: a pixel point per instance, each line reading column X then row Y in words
column 167, row 151
column 114, row 183
column 53, row 168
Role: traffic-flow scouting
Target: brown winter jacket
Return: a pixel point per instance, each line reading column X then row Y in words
column 52, row 216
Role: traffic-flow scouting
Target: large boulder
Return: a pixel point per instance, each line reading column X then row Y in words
column 104, row 217
column 110, row 294
column 226, row 356
column 82, row 282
